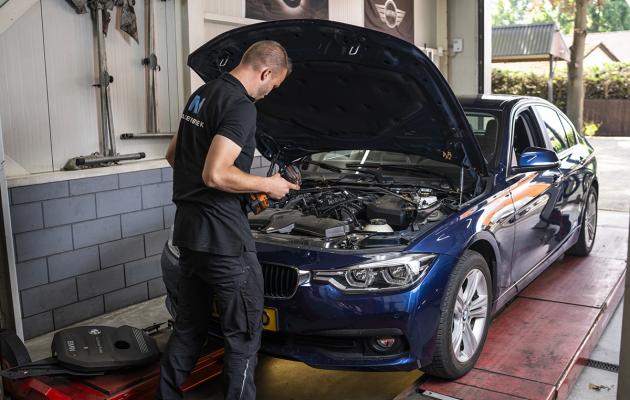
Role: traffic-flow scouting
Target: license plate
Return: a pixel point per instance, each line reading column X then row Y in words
column 269, row 317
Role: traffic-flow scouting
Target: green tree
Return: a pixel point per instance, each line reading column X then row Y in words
column 562, row 12
column 509, row 12
column 575, row 82
column 609, row 15
column 602, row 15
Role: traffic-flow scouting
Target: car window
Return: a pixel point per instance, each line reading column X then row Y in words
column 524, row 134
column 486, row 130
column 569, row 132
column 553, row 128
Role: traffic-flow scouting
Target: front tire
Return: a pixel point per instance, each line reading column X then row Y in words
column 464, row 318
column 588, row 227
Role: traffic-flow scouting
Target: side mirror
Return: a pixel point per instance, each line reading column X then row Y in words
column 536, row 159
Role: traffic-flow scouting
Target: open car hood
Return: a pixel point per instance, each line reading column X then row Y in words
column 351, row 88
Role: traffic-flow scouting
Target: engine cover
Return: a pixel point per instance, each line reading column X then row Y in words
column 392, row 209
column 103, row 348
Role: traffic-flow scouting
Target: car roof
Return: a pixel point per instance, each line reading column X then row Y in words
column 499, row 102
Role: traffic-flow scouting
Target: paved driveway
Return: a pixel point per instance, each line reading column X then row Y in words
column 613, row 170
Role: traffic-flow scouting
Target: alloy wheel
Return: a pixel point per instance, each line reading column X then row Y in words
column 469, row 315
column 590, row 220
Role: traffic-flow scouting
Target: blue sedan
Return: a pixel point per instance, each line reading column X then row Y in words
column 420, row 214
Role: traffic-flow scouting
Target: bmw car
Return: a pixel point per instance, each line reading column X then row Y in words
column 420, row 214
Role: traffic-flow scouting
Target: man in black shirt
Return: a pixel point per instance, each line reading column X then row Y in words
column 211, row 156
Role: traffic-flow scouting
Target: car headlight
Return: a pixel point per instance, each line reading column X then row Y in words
column 384, row 272
column 174, row 249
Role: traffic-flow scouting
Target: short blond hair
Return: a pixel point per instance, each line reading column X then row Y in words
column 267, row 53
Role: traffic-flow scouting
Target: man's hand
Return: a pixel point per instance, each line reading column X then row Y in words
column 278, row 187
column 220, row 172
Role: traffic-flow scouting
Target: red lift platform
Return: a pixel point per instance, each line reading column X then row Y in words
column 537, row 347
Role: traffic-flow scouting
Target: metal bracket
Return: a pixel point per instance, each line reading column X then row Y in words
column 105, row 80
column 152, row 62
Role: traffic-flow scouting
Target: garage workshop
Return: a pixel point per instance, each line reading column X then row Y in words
column 303, row 199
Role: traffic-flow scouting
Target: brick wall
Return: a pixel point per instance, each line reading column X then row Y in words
column 88, row 246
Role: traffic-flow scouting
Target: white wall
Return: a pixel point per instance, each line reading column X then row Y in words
column 229, row 14
column 23, row 103
column 49, row 109
column 464, row 67
column 424, row 24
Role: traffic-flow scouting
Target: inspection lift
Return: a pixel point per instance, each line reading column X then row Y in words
column 539, row 344
column 535, row 349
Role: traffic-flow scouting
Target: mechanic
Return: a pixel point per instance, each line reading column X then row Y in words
column 211, row 156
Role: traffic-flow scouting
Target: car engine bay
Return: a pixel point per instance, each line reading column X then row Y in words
column 353, row 216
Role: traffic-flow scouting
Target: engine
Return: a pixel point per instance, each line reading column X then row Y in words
column 354, row 217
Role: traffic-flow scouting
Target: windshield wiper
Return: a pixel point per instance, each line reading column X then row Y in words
column 403, row 167
column 329, row 167
column 377, row 175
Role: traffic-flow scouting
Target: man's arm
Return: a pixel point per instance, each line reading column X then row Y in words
column 219, row 172
column 170, row 151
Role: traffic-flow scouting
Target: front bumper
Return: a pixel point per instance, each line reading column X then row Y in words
column 340, row 349
column 327, row 328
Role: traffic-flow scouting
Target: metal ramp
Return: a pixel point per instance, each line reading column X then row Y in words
column 537, row 347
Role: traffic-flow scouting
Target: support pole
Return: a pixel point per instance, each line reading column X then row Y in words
column 442, row 35
column 103, row 80
column 151, row 68
column 480, row 46
column 10, row 312
column 550, row 80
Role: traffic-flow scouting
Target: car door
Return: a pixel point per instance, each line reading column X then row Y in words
column 535, row 195
column 579, row 168
column 563, row 140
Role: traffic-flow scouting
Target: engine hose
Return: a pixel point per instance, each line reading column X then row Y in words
column 360, row 189
column 340, row 204
column 351, row 214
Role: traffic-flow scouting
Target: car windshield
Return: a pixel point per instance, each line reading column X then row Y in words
column 340, row 158
column 484, row 126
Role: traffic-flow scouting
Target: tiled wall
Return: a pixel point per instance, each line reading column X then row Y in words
column 88, row 246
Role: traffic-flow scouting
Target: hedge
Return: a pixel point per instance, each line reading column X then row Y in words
column 611, row 81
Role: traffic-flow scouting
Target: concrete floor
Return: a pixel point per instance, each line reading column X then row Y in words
column 607, row 350
column 286, row 380
column 612, row 160
column 613, row 171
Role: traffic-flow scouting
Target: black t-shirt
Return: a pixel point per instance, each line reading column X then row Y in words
column 207, row 219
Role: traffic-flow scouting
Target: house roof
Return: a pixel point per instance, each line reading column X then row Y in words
column 590, row 47
column 533, row 42
column 616, row 43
